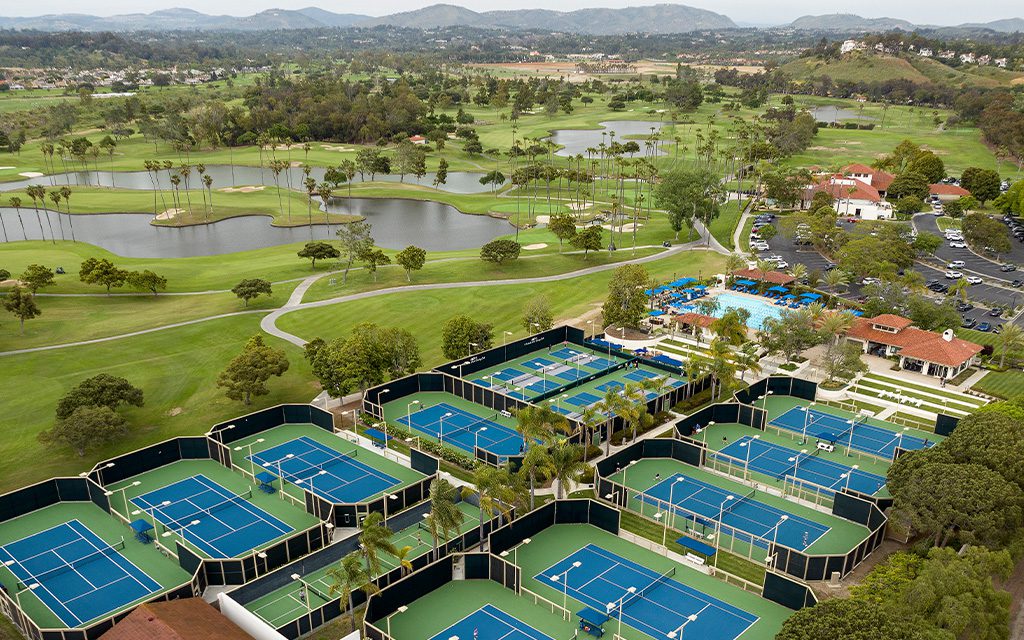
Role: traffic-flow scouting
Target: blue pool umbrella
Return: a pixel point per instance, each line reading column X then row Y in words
column 682, row 282
column 788, row 297
column 699, row 287
column 746, row 283
column 779, row 289
column 810, row 296
column 656, row 312
column 648, row 292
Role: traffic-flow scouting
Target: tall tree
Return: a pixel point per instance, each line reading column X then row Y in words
column 22, row 304
column 462, row 336
column 86, row 428
column 251, row 288
column 101, row 390
column 147, row 280
column 411, row 258
column 568, row 463
column 626, row 302
column 318, row 250
column 375, row 537
column 445, row 515
column 537, row 314
column 355, row 240
column 689, row 195
column 349, row 576
column 248, row 372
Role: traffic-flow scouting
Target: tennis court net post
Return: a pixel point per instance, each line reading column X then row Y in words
column 735, row 503
column 640, row 593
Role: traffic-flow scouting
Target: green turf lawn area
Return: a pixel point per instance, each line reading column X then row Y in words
column 453, row 601
column 176, row 369
column 291, row 513
column 842, row 536
column 723, row 226
column 520, row 364
column 281, row 606
column 1002, row 384
column 400, row 408
column 559, row 541
column 713, row 437
column 163, row 570
column 424, row 312
column 288, row 432
column 777, row 405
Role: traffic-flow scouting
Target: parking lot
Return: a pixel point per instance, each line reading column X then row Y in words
column 983, row 297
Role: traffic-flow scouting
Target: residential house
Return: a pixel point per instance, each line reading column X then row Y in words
column 947, row 192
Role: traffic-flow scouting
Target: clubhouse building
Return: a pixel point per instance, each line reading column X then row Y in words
column 940, row 355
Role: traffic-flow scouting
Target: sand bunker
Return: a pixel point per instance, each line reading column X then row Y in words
column 543, row 219
column 629, row 226
column 534, row 247
column 2, row 168
column 334, row 147
column 170, row 214
column 28, row 174
column 241, row 189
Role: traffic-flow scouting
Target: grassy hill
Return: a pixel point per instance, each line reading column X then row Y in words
column 870, row 67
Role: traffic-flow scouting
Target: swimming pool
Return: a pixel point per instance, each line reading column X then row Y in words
column 759, row 310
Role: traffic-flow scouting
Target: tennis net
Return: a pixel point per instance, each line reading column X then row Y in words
column 180, row 523
column 105, row 552
column 320, row 466
column 457, row 430
column 857, row 421
column 320, row 594
column 735, row 503
column 640, row 593
column 800, row 457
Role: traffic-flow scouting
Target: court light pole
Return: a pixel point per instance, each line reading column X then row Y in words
column 380, row 403
column 671, row 501
column 219, row 435
column 565, row 583
column 302, row 585
column 543, row 374
column 796, row 463
column 775, row 538
column 559, row 399
column 849, row 444
column 100, row 470
column 625, row 487
column 248, row 447
column 678, row 632
column 387, row 499
column 850, row 473
column 721, row 514
column 504, row 338
column 401, row 609
column 515, row 550
column 440, row 432
column 764, row 406
column 408, row 413
column 124, row 493
column 748, row 445
column 476, row 437
column 900, row 444
column 611, row 606
column 181, row 532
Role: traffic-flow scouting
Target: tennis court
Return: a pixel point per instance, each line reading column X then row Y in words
column 465, row 429
column 742, row 512
column 334, row 476
column 649, row 601
column 75, row 573
column 778, row 462
column 543, row 370
column 290, row 602
column 573, row 402
column 855, row 432
column 490, row 623
column 216, row 521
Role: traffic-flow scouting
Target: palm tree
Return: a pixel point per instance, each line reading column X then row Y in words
column 349, row 576
column 375, row 537
column 634, row 409
column 731, row 327
column 208, row 183
column 310, row 185
column 277, row 166
column 694, row 371
column 55, row 197
column 747, row 358
column 445, row 516
column 835, row 325
column 186, row 171
column 324, row 191
column 656, row 385
column 498, row 491
column 1011, row 338
column 539, row 422
column 734, row 262
column 65, row 192
column 37, row 193
column 590, row 418
column 721, row 367
column 610, row 406
column 567, row 460
column 799, row 271
column 402, row 556
column 836, row 279
column 201, row 169
column 175, row 197
column 16, row 203
column 959, row 288
column 537, row 464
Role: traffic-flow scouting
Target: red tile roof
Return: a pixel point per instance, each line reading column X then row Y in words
column 698, row 319
column 186, row 619
column 774, row 277
column 858, row 168
column 915, row 343
column 880, row 180
column 891, row 320
column 857, row 190
column 947, row 190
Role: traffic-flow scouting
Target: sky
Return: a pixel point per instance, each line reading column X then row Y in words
column 741, row 11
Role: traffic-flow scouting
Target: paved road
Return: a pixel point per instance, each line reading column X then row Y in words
column 976, row 264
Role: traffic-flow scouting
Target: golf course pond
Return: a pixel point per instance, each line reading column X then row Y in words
column 577, row 141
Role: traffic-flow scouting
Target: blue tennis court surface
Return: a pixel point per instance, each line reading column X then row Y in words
column 464, row 430
column 639, row 375
column 658, row 607
column 777, row 461
column 744, row 514
column 490, row 623
column 335, row 476
column 227, row 525
column 868, row 438
column 582, row 399
column 80, row 576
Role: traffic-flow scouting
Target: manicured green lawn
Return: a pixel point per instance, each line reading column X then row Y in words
column 1002, row 384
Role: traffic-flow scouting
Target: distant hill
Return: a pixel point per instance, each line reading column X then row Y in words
column 1009, row 25
column 866, row 66
column 663, row 18
column 849, row 22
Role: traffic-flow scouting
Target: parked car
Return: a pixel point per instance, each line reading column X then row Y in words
column 953, row 275
column 974, row 280
column 957, row 245
column 956, row 264
column 968, row 323
column 996, row 312
column 984, row 326
column 963, row 307
column 867, row 281
column 760, row 245
column 1007, row 268
column 1016, row 284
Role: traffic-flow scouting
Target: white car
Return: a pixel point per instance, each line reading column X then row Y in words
column 954, row 275
column 781, row 265
column 867, row 281
column 958, row 245
column 974, row 280
column 956, row 264
column 759, row 246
